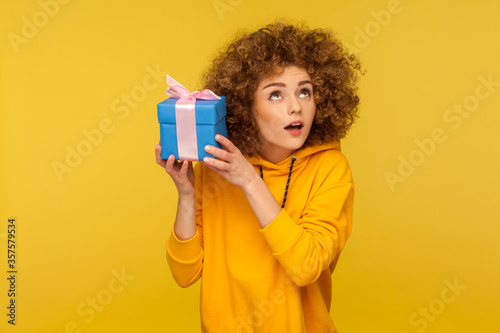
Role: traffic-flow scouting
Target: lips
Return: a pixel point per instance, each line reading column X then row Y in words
column 295, row 127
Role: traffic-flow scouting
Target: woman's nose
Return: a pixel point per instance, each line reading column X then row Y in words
column 294, row 106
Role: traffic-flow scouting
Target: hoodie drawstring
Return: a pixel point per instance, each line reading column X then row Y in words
column 287, row 181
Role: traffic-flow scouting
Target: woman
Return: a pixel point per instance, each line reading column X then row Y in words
column 263, row 225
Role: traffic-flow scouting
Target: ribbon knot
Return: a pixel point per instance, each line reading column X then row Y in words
column 177, row 90
column 185, row 117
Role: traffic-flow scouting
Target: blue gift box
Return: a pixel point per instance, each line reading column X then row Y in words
column 210, row 120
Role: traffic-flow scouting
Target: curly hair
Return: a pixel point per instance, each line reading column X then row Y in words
column 238, row 69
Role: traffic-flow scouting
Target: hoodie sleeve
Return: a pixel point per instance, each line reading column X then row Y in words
column 310, row 245
column 185, row 258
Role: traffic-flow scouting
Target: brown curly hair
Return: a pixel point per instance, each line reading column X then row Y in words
column 236, row 72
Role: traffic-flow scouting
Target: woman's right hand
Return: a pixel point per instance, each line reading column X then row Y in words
column 181, row 173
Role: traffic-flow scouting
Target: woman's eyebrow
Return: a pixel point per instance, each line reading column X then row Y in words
column 281, row 84
column 278, row 84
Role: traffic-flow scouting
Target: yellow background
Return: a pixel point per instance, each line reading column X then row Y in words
column 114, row 211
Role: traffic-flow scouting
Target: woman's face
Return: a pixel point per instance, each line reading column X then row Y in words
column 284, row 109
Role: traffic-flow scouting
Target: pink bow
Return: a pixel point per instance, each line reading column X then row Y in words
column 177, row 90
column 185, row 117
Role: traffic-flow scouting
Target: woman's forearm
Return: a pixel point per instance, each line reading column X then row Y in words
column 185, row 220
column 265, row 207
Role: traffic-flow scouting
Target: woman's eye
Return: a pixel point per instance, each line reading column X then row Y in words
column 275, row 95
column 305, row 93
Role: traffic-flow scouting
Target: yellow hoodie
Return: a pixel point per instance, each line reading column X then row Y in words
column 273, row 279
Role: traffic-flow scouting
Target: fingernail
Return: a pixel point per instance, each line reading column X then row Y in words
column 205, row 159
column 217, row 137
column 207, row 147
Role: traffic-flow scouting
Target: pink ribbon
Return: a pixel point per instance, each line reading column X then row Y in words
column 185, row 118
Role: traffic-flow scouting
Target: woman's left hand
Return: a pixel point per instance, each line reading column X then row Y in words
column 231, row 165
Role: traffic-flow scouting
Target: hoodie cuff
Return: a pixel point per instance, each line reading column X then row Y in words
column 184, row 251
column 282, row 232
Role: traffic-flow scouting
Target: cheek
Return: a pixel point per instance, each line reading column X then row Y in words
column 312, row 113
column 269, row 120
column 270, row 125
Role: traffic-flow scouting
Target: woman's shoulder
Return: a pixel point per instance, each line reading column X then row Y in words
column 333, row 164
column 328, row 153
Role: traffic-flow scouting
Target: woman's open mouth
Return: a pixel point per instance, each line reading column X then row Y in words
column 295, row 127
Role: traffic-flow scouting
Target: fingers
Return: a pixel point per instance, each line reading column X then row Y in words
column 226, row 143
column 217, row 152
column 169, row 165
column 215, row 169
column 181, row 169
column 223, row 158
column 184, row 168
column 217, row 164
column 230, row 149
column 159, row 160
column 178, row 169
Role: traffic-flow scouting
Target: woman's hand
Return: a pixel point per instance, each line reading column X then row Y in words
column 231, row 165
column 181, row 173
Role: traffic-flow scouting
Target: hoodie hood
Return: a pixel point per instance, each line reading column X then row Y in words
column 299, row 159
column 301, row 155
